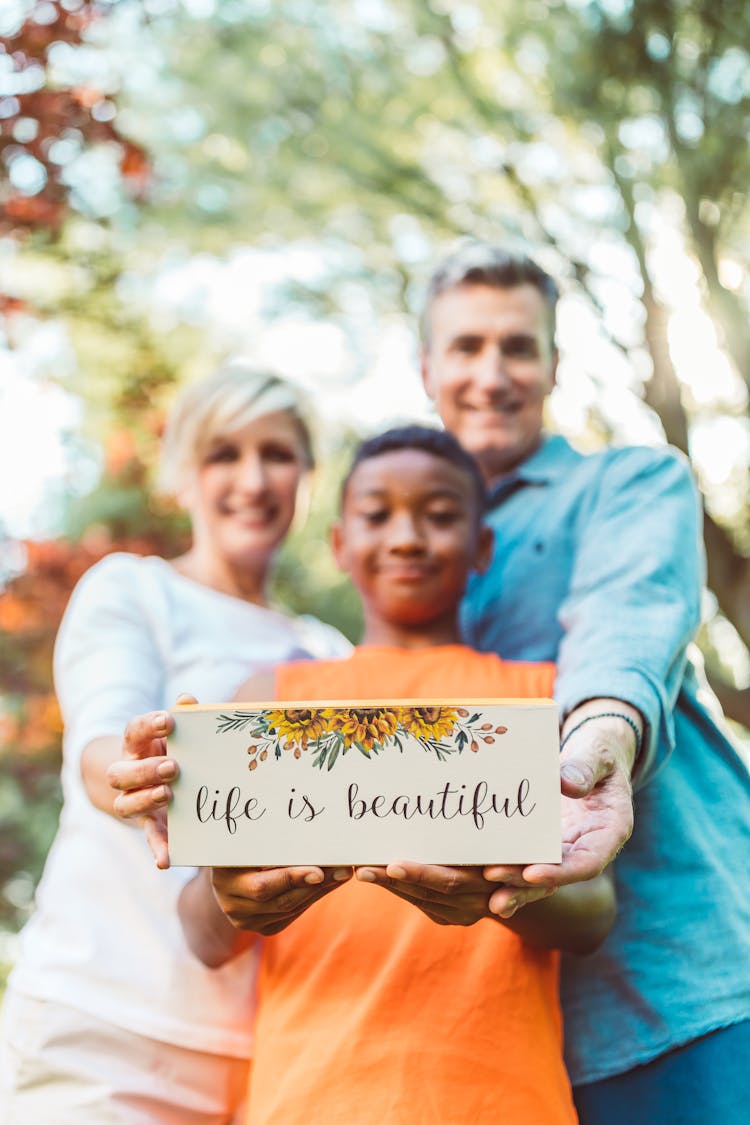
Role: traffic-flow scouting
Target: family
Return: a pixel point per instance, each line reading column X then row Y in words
column 492, row 559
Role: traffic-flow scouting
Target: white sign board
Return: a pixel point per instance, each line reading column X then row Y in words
column 265, row 785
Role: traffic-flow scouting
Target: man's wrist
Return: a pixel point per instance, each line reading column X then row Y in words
column 617, row 724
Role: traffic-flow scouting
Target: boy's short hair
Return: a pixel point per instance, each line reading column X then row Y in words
column 439, row 443
column 216, row 406
column 479, row 263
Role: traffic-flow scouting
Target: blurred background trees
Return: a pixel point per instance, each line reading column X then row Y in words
column 185, row 179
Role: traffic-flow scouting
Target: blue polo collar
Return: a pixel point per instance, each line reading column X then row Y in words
column 545, row 464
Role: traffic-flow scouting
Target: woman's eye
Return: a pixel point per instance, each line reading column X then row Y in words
column 279, row 454
column 222, row 454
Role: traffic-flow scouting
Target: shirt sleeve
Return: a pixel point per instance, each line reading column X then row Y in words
column 107, row 662
column 324, row 642
column 634, row 601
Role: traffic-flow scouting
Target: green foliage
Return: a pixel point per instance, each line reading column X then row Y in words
column 306, row 579
column 30, row 800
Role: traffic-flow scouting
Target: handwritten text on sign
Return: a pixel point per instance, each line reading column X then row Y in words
column 265, row 785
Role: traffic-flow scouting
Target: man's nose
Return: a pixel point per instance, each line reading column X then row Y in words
column 492, row 368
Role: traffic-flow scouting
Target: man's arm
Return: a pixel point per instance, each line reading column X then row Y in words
column 634, row 599
column 631, row 611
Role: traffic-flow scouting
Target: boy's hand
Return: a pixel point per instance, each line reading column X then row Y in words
column 267, row 899
column 142, row 777
column 449, row 896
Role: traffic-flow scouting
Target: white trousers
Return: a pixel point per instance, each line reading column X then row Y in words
column 59, row 1066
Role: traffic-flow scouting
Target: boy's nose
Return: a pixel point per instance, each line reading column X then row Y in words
column 404, row 533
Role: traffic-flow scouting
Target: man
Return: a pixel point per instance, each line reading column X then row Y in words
column 598, row 566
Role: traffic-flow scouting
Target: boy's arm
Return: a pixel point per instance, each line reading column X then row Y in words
column 208, row 932
column 575, row 919
column 222, row 909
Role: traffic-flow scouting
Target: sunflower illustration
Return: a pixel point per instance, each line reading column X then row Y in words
column 367, row 726
column 297, row 726
column 428, row 722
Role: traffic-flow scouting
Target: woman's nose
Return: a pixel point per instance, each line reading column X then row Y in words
column 251, row 473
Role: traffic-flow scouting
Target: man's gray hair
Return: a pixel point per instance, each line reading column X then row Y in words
column 478, row 263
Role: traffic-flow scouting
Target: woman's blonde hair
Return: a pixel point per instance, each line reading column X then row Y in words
column 220, row 404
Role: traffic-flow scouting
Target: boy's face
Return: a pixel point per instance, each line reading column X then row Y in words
column 409, row 536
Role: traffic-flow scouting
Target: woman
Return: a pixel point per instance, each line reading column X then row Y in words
column 109, row 1018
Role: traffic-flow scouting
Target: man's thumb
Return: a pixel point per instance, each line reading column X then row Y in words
column 577, row 776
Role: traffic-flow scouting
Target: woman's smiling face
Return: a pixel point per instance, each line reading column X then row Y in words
column 242, row 496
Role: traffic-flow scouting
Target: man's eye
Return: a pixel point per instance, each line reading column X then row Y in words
column 467, row 346
column 521, row 347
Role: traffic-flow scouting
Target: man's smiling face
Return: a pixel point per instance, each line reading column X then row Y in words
column 488, row 365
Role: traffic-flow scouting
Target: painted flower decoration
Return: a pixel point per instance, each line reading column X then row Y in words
column 298, row 726
column 330, row 732
column 367, row 727
column 428, row 722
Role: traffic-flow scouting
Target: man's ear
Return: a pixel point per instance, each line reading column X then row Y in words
column 424, row 369
column 485, row 545
column 338, row 547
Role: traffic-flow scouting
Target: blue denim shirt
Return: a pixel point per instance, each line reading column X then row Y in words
column 598, row 565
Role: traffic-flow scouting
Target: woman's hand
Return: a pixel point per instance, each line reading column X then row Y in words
column 449, row 896
column 142, row 778
column 267, row 900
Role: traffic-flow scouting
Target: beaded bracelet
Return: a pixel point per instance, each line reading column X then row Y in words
column 607, row 715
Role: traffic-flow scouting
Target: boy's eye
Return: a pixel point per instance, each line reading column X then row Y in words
column 374, row 515
column 444, row 516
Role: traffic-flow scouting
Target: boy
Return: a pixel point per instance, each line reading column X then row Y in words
column 367, row 1012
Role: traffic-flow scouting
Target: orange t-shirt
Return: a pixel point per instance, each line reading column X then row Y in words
column 369, row 1013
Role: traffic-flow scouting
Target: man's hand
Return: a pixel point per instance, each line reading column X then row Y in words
column 597, row 809
column 449, row 896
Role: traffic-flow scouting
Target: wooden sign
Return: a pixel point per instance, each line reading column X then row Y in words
column 372, row 782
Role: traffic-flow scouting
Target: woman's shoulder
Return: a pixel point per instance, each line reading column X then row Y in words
column 322, row 641
column 120, row 582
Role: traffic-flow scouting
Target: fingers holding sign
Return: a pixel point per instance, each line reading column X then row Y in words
column 143, row 774
column 267, row 900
